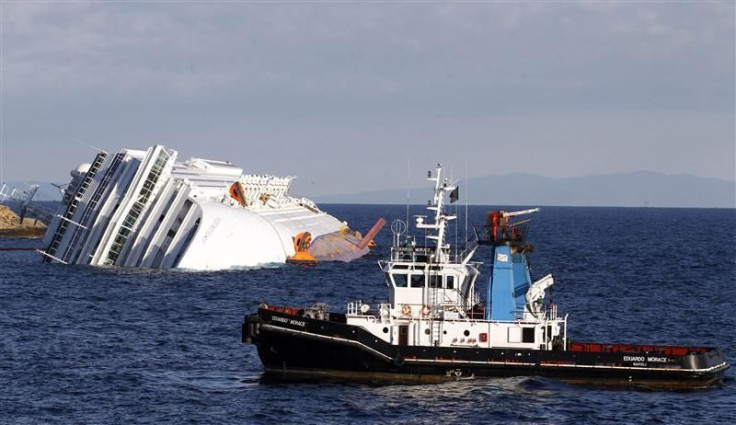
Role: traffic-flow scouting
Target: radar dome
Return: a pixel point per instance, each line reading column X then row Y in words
column 81, row 169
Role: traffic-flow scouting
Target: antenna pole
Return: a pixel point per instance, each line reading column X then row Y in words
column 467, row 189
column 456, row 231
column 90, row 146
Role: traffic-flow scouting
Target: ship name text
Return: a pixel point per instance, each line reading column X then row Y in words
column 289, row 321
column 645, row 359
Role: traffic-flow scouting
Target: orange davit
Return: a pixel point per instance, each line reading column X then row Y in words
column 302, row 242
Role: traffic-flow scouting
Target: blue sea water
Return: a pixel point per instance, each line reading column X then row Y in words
column 107, row 345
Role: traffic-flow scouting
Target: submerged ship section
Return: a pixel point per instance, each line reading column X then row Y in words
column 144, row 209
column 435, row 326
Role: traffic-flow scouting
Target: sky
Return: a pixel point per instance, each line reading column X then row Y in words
column 356, row 96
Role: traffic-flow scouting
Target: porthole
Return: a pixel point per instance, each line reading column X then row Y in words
column 385, row 330
column 466, row 333
column 426, row 331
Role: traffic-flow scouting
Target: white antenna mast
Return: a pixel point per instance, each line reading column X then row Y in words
column 467, row 189
column 452, row 179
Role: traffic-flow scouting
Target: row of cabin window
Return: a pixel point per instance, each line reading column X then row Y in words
column 417, row 281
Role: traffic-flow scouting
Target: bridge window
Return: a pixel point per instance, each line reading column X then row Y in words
column 435, row 281
column 417, row 281
column 450, row 282
column 400, row 280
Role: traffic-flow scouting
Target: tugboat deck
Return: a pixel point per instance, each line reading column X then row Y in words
column 338, row 347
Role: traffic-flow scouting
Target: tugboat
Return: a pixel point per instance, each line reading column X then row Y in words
column 435, row 326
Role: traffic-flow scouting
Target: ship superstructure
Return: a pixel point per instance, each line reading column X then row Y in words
column 432, row 293
column 144, row 209
column 434, row 325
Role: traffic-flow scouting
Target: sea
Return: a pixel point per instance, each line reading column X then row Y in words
column 89, row 345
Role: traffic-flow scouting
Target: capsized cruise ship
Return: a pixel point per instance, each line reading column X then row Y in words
column 140, row 208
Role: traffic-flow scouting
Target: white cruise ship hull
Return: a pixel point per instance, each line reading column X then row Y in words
column 145, row 209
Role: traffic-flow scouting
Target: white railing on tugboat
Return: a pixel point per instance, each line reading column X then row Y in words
column 356, row 309
column 353, row 307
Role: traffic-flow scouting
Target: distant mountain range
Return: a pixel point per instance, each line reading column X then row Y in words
column 638, row 189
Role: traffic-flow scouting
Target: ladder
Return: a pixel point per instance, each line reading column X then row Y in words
column 432, row 302
column 436, row 326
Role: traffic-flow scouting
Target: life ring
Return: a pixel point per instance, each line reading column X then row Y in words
column 406, row 310
column 426, row 310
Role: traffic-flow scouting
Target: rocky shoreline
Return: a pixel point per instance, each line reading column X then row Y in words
column 11, row 226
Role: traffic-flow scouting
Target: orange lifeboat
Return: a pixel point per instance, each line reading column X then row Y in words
column 236, row 192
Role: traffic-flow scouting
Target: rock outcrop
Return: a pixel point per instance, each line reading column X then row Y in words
column 11, row 226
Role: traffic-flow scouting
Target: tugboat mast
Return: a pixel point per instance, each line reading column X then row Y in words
column 440, row 218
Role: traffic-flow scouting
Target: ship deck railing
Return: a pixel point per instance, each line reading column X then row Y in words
column 384, row 310
column 549, row 312
column 354, row 307
column 510, row 234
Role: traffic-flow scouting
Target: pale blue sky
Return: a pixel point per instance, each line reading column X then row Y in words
column 342, row 95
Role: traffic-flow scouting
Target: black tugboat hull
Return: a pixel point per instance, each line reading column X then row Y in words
column 301, row 348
